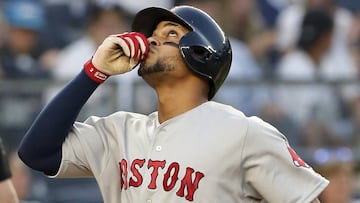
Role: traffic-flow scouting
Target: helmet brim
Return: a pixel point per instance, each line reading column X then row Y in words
column 146, row 20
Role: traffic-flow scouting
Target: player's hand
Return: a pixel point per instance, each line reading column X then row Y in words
column 120, row 53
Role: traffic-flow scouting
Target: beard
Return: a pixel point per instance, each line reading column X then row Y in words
column 163, row 65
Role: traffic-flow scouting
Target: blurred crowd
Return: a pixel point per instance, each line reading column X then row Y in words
column 296, row 64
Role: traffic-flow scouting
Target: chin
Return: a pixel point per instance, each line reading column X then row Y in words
column 145, row 65
column 142, row 69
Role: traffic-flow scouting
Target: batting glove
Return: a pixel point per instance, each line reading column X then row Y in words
column 120, row 53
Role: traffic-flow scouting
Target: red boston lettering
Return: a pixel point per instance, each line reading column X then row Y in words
column 172, row 167
column 137, row 163
column 191, row 185
column 170, row 176
column 155, row 165
column 123, row 174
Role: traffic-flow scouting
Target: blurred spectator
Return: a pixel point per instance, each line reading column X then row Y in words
column 65, row 22
column 338, row 62
column 19, row 54
column 7, row 190
column 270, row 10
column 26, row 188
column 252, row 40
column 242, row 20
column 103, row 20
column 247, row 18
column 354, row 39
column 2, row 27
column 308, row 100
column 304, row 62
column 338, row 166
column 315, row 134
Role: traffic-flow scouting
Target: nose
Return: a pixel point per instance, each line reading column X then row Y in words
column 154, row 42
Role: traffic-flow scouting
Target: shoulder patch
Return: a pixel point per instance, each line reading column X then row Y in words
column 298, row 162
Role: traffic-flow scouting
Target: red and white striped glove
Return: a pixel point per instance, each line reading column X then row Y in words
column 117, row 54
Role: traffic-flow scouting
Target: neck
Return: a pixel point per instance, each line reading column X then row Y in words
column 175, row 100
column 177, row 92
column 169, row 106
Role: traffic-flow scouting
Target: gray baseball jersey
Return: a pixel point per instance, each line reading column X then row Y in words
column 210, row 154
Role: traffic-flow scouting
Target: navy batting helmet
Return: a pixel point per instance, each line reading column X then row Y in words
column 205, row 49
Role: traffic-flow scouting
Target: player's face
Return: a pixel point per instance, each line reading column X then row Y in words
column 164, row 54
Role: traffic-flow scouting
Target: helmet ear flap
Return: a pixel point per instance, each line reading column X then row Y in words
column 201, row 53
column 195, row 52
column 194, row 58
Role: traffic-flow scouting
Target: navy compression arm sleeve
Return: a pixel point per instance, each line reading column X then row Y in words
column 41, row 147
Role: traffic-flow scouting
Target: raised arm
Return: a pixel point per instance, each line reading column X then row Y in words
column 41, row 147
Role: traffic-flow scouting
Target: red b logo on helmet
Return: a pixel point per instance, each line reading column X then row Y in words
column 296, row 158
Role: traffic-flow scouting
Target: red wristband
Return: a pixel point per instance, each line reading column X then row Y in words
column 94, row 74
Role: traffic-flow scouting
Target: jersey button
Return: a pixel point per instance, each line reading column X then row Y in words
column 158, row 148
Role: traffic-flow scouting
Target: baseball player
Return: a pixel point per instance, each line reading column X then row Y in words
column 7, row 189
column 191, row 149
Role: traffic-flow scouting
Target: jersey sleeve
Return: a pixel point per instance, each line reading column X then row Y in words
column 85, row 152
column 273, row 170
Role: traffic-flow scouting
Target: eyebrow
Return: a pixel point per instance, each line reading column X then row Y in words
column 169, row 24
column 172, row 24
